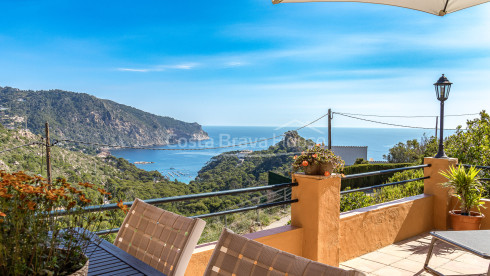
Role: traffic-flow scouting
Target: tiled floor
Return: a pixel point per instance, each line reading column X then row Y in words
column 407, row 258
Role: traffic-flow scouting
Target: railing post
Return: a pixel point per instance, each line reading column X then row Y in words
column 318, row 213
column 432, row 186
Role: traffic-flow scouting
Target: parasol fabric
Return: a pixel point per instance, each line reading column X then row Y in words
column 437, row 7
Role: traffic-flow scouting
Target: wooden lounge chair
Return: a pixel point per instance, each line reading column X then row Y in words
column 162, row 239
column 473, row 241
column 239, row 256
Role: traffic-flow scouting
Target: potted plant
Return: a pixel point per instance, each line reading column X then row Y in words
column 318, row 160
column 43, row 227
column 467, row 188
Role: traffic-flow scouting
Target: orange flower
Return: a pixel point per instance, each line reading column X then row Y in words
column 2, row 214
column 84, row 199
column 315, row 155
column 122, row 206
column 31, row 205
column 71, row 205
column 305, row 163
column 103, row 192
column 295, row 157
column 51, row 196
column 327, row 174
column 86, row 185
column 5, row 195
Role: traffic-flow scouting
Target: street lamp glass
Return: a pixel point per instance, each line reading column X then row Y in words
column 442, row 86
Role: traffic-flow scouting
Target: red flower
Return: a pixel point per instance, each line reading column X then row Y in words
column 2, row 214
column 327, row 174
column 315, row 155
column 305, row 163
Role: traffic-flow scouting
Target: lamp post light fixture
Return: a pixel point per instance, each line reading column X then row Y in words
column 442, row 86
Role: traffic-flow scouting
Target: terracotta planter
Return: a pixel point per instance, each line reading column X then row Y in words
column 460, row 222
column 312, row 169
column 318, row 169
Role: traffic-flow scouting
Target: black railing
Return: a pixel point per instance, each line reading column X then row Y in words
column 383, row 185
column 222, row 213
column 156, row 201
column 359, row 175
column 478, row 167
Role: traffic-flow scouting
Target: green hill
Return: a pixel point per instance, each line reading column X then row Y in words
column 79, row 116
column 117, row 175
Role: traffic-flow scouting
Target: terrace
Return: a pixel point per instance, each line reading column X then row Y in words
column 385, row 239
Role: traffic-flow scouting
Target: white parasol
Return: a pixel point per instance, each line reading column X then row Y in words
column 437, row 7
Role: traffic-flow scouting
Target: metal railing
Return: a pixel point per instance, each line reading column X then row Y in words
column 359, row 175
column 478, row 167
column 156, row 201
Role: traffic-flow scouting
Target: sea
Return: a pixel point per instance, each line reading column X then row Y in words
column 182, row 161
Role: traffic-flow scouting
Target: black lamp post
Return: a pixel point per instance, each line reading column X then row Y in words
column 442, row 86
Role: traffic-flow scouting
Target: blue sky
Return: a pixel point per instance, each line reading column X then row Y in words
column 250, row 62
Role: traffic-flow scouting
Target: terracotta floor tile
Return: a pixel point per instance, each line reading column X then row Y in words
column 448, row 272
column 363, row 265
column 395, row 250
column 464, row 268
column 422, row 273
column 473, row 259
column 419, row 257
column 409, row 265
column 447, row 251
column 380, row 257
column 436, row 262
column 391, row 271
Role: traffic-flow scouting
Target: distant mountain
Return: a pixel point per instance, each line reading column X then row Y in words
column 80, row 116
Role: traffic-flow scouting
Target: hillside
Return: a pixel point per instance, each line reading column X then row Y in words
column 235, row 169
column 117, row 175
column 79, row 116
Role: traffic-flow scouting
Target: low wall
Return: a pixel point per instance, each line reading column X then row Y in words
column 287, row 238
column 368, row 229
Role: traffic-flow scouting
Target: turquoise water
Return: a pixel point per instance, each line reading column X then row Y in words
column 184, row 165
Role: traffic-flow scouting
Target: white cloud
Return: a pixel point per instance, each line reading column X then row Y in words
column 158, row 68
column 132, row 70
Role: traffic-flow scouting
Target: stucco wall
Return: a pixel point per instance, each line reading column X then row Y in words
column 368, row 229
column 286, row 238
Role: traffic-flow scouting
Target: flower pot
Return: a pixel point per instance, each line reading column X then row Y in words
column 312, row 169
column 326, row 167
column 318, row 169
column 460, row 222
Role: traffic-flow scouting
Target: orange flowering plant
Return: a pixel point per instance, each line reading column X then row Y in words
column 318, row 160
column 43, row 227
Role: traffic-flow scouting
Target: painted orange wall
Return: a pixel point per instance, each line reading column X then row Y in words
column 368, row 229
column 286, row 238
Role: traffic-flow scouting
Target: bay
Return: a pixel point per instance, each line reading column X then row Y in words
column 183, row 162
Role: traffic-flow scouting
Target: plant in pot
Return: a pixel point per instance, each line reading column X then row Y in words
column 318, row 160
column 36, row 238
column 467, row 188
